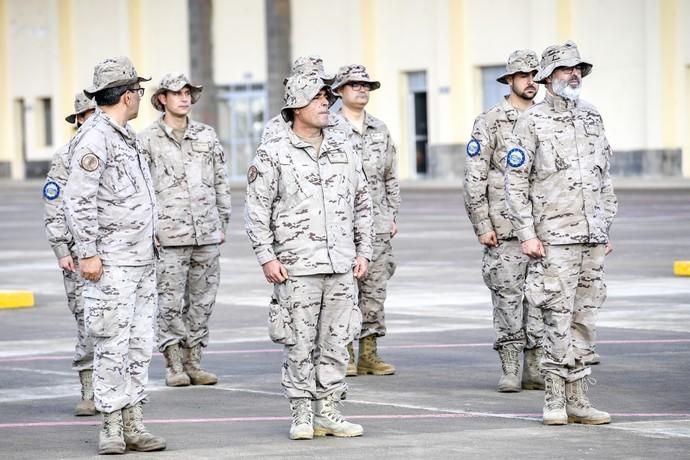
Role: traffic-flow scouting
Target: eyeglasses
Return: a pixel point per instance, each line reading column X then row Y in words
column 359, row 85
column 139, row 91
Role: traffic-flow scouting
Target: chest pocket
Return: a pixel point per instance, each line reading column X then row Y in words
column 548, row 160
column 119, row 182
column 294, row 187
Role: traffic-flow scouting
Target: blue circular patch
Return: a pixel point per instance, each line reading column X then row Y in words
column 473, row 148
column 51, row 190
column 515, row 157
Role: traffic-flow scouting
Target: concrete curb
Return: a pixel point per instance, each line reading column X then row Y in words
column 16, row 299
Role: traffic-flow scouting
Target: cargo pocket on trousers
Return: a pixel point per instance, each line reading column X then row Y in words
column 553, row 291
column 280, row 328
column 100, row 313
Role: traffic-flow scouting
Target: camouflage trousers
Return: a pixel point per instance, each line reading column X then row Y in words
column 372, row 290
column 118, row 314
column 572, row 291
column 188, row 279
column 83, row 350
column 325, row 318
column 517, row 320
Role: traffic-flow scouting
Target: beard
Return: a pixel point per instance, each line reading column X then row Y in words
column 563, row 88
column 523, row 94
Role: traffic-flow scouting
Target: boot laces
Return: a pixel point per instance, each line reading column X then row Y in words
column 330, row 409
column 300, row 412
column 111, row 426
column 509, row 361
column 555, row 393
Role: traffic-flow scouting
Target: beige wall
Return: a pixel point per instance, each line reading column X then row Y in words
column 239, row 41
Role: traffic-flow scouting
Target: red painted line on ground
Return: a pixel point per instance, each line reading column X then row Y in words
column 96, row 422
column 419, row 346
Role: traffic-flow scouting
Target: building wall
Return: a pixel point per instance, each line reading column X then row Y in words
column 640, row 51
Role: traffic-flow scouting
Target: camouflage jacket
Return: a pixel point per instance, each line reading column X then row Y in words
column 484, row 170
column 191, row 183
column 109, row 200
column 558, row 186
column 311, row 212
column 379, row 160
column 58, row 234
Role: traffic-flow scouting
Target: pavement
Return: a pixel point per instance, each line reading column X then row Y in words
column 442, row 402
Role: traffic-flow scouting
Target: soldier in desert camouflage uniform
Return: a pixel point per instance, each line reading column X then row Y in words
column 111, row 210
column 190, row 178
column 62, row 243
column 308, row 216
column 562, row 204
column 372, row 141
column 517, row 322
column 304, row 65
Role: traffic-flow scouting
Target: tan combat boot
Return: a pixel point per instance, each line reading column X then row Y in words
column 135, row 433
column 510, row 365
column 369, row 361
column 329, row 420
column 192, row 366
column 175, row 375
column 302, row 419
column 579, row 408
column 110, row 438
column 351, row 366
column 554, row 400
column 531, row 377
column 86, row 405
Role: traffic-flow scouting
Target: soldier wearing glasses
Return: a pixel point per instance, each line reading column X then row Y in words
column 372, row 142
column 111, row 212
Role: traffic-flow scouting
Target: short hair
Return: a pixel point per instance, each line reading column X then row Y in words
column 111, row 96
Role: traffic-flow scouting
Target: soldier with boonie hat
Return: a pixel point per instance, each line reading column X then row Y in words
column 372, row 141
column 517, row 321
column 62, row 243
column 308, row 216
column 117, row 256
column 562, row 204
column 193, row 221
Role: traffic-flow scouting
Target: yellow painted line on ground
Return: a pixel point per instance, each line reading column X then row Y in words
column 681, row 268
column 16, row 299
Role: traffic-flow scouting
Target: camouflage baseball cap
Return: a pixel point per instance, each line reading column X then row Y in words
column 175, row 82
column 310, row 65
column 112, row 72
column 300, row 90
column 351, row 73
column 565, row 55
column 81, row 105
column 520, row 61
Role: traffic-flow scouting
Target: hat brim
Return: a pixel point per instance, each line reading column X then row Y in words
column 195, row 91
column 504, row 78
column 546, row 72
column 286, row 111
column 374, row 83
column 92, row 90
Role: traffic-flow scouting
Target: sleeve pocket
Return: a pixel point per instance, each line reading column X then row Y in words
column 280, row 328
column 100, row 313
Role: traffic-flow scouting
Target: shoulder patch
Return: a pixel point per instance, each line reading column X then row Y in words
column 89, row 162
column 473, row 148
column 516, row 157
column 51, row 190
column 252, row 174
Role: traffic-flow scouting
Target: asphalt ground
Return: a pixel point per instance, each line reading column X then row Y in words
column 442, row 401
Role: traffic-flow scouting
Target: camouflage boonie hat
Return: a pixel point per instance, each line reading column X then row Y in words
column 175, row 82
column 300, row 90
column 565, row 55
column 81, row 104
column 112, row 72
column 352, row 73
column 520, row 61
column 310, row 65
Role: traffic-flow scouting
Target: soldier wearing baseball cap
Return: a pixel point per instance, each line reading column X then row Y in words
column 372, row 141
column 193, row 218
column 308, row 216
column 517, row 322
column 62, row 243
column 562, row 204
column 107, row 182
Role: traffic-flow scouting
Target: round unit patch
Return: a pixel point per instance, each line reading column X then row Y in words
column 251, row 174
column 51, row 190
column 89, row 162
column 473, row 148
column 515, row 157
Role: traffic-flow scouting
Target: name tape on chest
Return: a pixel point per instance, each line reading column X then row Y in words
column 473, row 148
column 516, row 157
column 337, row 157
column 201, row 147
column 378, row 137
column 51, row 190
